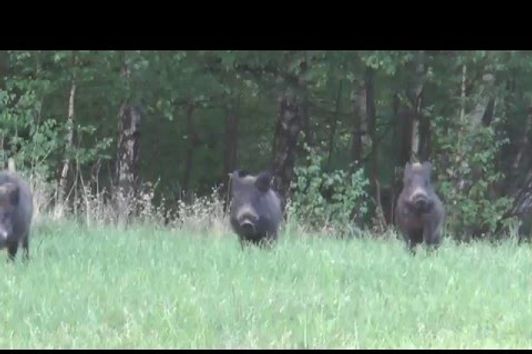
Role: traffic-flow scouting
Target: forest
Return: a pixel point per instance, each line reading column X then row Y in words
column 336, row 128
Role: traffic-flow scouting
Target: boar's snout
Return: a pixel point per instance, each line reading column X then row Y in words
column 421, row 203
column 248, row 227
column 420, row 199
column 247, row 219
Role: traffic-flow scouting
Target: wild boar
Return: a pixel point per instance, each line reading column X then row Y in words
column 419, row 212
column 255, row 211
column 16, row 211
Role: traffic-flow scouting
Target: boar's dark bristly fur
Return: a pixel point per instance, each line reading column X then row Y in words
column 16, row 211
column 419, row 212
column 255, row 212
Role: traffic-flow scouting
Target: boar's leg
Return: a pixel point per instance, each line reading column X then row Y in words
column 26, row 247
column 432, row 234
column 411, row 246
column 413, row 238
column 12, row 248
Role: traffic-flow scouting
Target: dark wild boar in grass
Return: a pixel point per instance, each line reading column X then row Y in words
column 255, row 212
column 419, row 213
column 16, row 211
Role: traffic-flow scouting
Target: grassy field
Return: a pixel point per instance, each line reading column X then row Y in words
column 148, row 288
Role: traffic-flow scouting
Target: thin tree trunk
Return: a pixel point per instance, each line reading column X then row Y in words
column 189, row 155
column 231, row 137
column 306, row 126
column 231, row 146
column 359, row 124
column 356, row 141
column 128, row 159
column 487, row 118
column 463, row 93
column 524, row 144
column 425, row 138
column 483, row 112
column 460, row 182
column 286, row 136
column 414, row 153
column 4, row 68
column 406, row 124
column 374, row 157
column 62, row 186
column 333, row 123
column 424, row 133
column 416, row 98
column 397, row 178
column 521, row 174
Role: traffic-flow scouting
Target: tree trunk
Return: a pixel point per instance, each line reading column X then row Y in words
column 424, row 138
column 489, row 112
column 483, row 111
column 374, row 155
column 523, row 152
column 128, row 160
column 424, row 141
column 396, row 184
column 62, row 186
column 406, row 129
column 231, row 137
column 287, row 131
column 193, row 141
column 521, row 174
column 4, row 68
column 460, row 182
column 306, row 124
column 231, row 146
column 309, row 133
column 332, row 123
column 416, row 99
column 463, row 93
column 359, row 124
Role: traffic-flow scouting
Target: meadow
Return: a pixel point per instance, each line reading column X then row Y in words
column 150, row 287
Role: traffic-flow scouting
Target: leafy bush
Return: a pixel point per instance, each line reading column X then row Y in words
column 334, row 199
column 467, row 182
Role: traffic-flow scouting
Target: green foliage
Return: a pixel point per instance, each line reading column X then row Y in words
column 17, row 117
column 467, row 182
column 36, row 138
column 335, row 198
column 168, row 85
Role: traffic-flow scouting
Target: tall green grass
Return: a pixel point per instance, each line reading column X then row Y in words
column 152, row 288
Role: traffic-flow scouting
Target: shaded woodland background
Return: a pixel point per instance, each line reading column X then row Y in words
column 336, row 128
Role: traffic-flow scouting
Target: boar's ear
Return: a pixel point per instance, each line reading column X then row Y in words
column 238, row 174
column 234, row 179
column 264, row 181
column 10, row 192
column 242, row 173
